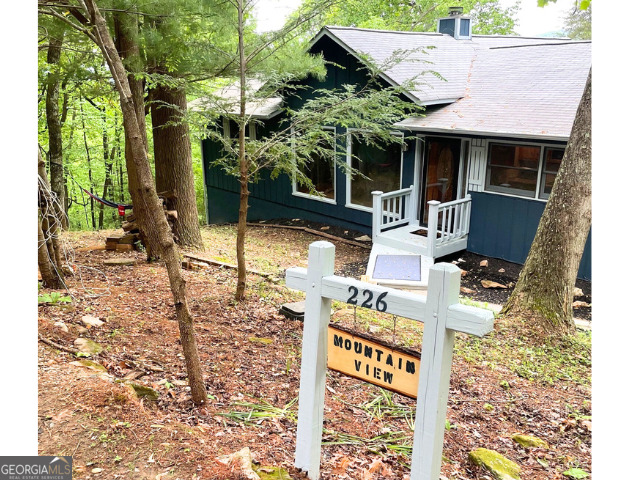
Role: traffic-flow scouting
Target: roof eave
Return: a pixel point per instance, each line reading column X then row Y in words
column 484, row 133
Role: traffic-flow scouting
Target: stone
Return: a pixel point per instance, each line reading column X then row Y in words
column 466, row 290
column 119, row 261
column 580, row 304
column 242, row 461
column 62, row 326
column 499, row 466
column 501, row 270
column 87, row 346
column 577, row 292
column 91, row 321
column 484, row 263
column 490, row 284
column 142, row 391
column 326, row 227
column 529, row 441
column 363, row 238
column 91, row 365
column 272, row 473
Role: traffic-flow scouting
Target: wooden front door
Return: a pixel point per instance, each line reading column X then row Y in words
column 440, row 172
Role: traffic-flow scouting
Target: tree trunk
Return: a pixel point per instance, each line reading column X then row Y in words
column 48, row 253
column 88, row 150
column 126, row 32
column 152, row 217
column 107, row 186
column 174, row 167
column 54, row 126
column 545, row 286
column 242, row 161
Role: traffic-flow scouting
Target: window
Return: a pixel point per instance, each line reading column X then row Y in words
column 381, row 164
column 552, row 159
column 524, row 170
column 321, row 171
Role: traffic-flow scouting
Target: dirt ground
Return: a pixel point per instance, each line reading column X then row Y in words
column 251, row 360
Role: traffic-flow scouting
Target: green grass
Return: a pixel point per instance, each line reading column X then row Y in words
column 551, row 361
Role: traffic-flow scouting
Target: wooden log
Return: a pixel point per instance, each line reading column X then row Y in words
column 129, row 238
column 130, row 226
column 217, row 263
column 311, row 231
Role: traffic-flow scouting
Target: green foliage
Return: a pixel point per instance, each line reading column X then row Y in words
column 549, row 362
column 577, row 24
column 489, row 17
column 575, row 473
column 53, row 298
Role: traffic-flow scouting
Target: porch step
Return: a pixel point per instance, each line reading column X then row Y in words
column 406, row 277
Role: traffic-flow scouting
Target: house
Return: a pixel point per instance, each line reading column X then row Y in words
column 480, row 157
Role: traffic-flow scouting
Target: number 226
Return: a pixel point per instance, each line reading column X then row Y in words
column 381, row 305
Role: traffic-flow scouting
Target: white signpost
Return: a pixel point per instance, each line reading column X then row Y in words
column 441, row 314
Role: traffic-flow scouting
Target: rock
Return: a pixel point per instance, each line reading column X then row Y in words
column 529, row 441
column 119, row 261
column 501, row 270
column 89, row 364
column 490, row 284
column 96, row 470
column 484, row 263
column 466, row 290
column 87, row 346
column 577, row 292
column 580, row 304
column 500, row 467
column 62, row 326
column 145, row 392
column 272, row 473
column 363, row 238
column 90, row 321
column 241, row 461
column 326, row 227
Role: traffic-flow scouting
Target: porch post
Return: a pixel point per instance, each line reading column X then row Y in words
column 432, row 228
column 377, row 215
column 412, row 213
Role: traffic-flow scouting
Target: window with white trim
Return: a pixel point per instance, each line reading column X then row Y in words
column 523, row 170
column 550, row 167
column 320, row 170
column 381, row 164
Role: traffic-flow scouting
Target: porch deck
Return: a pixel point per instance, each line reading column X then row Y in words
column 395, row 226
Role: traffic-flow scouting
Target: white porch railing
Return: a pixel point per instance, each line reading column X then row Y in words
column 451, row 223
column 393, row 209
column 447, row 227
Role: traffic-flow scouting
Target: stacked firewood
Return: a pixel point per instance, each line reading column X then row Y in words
column 132, row 230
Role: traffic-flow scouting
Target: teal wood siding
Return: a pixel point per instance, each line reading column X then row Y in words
column 273, row 198
column 504, row 227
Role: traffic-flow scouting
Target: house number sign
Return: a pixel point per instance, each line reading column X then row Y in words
column 441, row 315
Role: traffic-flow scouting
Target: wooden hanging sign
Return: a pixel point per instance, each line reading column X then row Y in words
column 373, row 361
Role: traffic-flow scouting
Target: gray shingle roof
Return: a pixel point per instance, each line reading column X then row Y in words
column 493, row 84
column 527, row 91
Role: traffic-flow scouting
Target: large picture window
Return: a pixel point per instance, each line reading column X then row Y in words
column 321, row 171
column 382, row 165
column 523, row 170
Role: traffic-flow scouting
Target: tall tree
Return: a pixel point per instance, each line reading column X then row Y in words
column 577, row 24
column 489, row 16
column 544, row 291
column 265, row 66
column 153, row 219
column 49, row 258
column 54, row 123
column 174, row 165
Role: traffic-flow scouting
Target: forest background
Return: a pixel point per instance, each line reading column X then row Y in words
column 615, row 167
